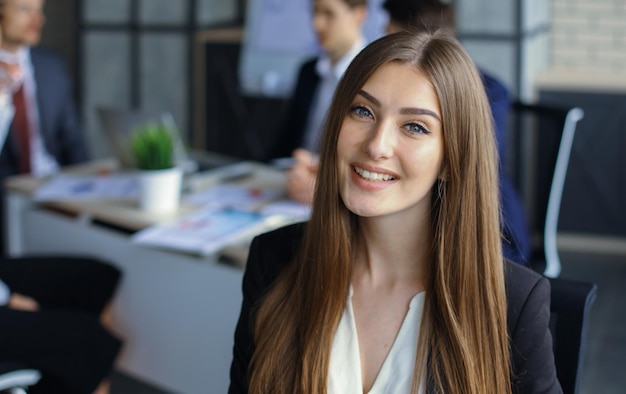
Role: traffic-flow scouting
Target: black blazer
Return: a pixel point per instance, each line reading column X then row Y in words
column 528, row 296
column 59, row 124
column 291, row 131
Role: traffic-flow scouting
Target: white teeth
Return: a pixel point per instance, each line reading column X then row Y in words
column 373, row 176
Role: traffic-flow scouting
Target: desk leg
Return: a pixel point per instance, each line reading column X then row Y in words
column 15, row 205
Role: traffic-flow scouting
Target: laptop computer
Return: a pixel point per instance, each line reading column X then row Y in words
column 119, row 124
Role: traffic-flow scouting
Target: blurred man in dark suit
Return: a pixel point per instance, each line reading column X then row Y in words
column 338, row 25
column 43, row 103
column 39, row 126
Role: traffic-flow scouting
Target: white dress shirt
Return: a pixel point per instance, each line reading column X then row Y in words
column 41, row 163
column 396, row 373
column 7, row 111
column 329, row 78
column 5, row 293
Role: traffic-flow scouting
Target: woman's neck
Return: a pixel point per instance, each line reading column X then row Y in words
column 389, row 253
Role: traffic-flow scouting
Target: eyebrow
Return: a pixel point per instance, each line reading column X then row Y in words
column 403, row 111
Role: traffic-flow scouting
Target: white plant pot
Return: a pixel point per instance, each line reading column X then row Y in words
column 159, row 190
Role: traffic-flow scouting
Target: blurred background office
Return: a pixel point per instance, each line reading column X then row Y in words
column 183, row 56
column 188, row 56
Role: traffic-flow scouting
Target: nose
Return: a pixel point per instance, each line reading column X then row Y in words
column 39, row 19
column 37, row 16
column 380, row 142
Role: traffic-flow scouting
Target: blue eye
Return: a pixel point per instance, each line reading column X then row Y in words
column 416, row 128
column 361, row 111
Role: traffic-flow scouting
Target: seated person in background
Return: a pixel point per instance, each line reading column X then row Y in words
column 43, row 99
column 55, row 317
column 397, row 283
column 338, row 25
column 428, row 14
column 54, row 313
column 40, row 131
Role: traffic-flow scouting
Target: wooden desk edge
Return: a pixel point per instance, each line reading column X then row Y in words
column 118, row 213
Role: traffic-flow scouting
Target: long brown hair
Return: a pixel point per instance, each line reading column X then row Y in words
column 463, row 338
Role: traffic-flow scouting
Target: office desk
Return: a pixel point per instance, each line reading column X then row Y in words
column 176, row 312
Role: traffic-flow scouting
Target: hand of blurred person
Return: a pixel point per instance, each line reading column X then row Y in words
column 10, row 75
column 301, row 177
column 23, row 303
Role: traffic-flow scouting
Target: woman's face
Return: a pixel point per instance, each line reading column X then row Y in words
column 390, row 147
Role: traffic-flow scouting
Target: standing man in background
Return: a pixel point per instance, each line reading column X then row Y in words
column 338, row 25
column 39, row 126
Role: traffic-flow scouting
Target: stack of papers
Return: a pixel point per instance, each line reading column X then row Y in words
column 208, row 231
column 231, row 196
column 228, row 215
column 84, row 187
column 288, row 208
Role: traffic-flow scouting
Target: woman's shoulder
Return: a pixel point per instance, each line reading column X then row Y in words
column 272, row 251
column 526, row 291
column 528, row 321
column 281, row 237
column 520, row 280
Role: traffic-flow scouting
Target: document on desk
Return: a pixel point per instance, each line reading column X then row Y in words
column 293, row 210
column 234, row 196
column 207, row 231
column 81, row 187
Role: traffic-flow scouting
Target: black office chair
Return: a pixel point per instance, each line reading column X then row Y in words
column 541, row 141
column 569, row 313
column 15, row 377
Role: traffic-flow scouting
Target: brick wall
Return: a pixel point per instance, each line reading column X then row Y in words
column 589, row 35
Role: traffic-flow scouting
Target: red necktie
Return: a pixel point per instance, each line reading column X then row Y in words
column 21, row 129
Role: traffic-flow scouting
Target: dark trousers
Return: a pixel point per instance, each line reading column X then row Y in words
column 64, row 339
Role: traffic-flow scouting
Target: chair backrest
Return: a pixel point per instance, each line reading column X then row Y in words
column 15, row 375
column 569, row 314
column 541, row 141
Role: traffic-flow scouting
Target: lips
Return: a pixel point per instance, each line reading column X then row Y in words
column 373, row 176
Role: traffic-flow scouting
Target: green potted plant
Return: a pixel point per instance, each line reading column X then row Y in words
column 152, row 146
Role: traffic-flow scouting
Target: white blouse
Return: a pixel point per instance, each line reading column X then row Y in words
column 396, row 373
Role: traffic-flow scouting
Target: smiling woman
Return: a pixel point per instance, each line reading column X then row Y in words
column 391, row 142
column 397, row 284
